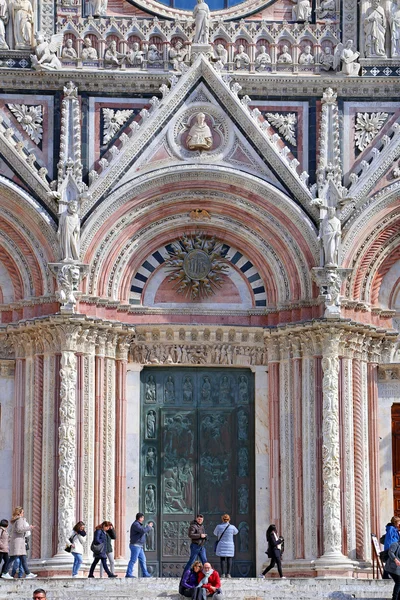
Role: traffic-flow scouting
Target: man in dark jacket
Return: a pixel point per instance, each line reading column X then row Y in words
column 137, row 540
column 198, row 537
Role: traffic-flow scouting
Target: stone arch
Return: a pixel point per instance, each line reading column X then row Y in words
column 242, row 208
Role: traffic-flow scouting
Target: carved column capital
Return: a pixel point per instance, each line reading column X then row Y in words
column 329, row 281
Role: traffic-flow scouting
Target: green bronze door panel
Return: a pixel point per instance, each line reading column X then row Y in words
column 197, row 440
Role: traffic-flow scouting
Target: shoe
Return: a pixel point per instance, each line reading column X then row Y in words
column 223, row 575
column 90, row 576
column 261, row 576
column 30, row 576
column 146, row 575
column 283, row 577
column 229, row 576
column 130, row 577
column 6, row 576
column 111, row 576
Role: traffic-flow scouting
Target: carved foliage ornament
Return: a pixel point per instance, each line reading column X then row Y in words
column 285, row 124
column 196, row 265
column 113, row 121
column 30, row 118
column 366, row 128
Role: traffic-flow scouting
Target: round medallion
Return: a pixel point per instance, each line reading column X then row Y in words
column 197, row 264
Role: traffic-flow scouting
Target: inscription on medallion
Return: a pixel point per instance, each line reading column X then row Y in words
column 197, row 264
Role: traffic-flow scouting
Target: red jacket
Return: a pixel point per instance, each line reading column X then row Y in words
column 213, row 580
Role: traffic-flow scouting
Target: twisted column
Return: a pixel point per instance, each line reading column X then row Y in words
column 358, row 459
column 37, row 456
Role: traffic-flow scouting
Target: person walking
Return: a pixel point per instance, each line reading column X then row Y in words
column 136, row 543
column 189, row 580
column 17, row 543
column 393, row 567
column 198, row 538
column 99, row 547
column 4, row 544
column 111, row 535
column 77, row 538
column 392, row 535
column 225, row 547
column 274, row 551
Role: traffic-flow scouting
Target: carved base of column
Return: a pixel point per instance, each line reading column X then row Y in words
column 334, row 565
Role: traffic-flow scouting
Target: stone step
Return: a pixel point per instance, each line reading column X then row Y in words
column 167, row 589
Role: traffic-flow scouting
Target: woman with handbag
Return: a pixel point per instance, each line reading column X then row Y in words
column 111, row 535
column 76, row 540
column 17, row 543
column 224, row 546
column 392, row 566
column 274, row 552
column 99, row 549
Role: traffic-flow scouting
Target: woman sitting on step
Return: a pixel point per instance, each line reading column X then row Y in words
column 189, row 581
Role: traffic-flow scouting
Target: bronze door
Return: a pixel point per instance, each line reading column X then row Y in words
column 197, row 441
column 396, row 457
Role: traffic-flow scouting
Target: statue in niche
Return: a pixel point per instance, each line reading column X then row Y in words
column 330, row 235
column 187, row 390
column 151, row 462
column 177, row 55
column 69, row 231
column 22, row 19
column 199, row 136
column 136, row 56
column 220, row 57
column 88, row 52
column 243, row 462
column 45, row 57
column 98, row 8
column 206, row 390
column 243, row 499
column 395, row 28
column 243, row 537
column 225, row 391
column 301, row 11
column 262, row 59
column 375, row 30
column 151, row 425
column 326, row 59
column 153, row 55
column 243, row 390
column 285, row 56
column 169, row 390
column 150, row 499
column 327, row 7
column 112, row 57
column 306, row 58
column 150, row 394
column 150, row 543
column 241, row 58
column 348, row 57
column 201, row 16
column 243, row 426
column 4, row 17
column 69, row 51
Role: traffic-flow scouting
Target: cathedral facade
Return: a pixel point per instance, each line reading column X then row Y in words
column 200, row 274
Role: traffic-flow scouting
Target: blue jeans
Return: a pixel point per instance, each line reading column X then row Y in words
column 23, row 563
column 77, row 563
column 137, row 553
column 196, row 553
column 17, row 567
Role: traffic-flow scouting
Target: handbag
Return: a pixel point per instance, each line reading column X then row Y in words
column 220, row 538
column 384, row 555
column 96, row 548
column 68, row 548
column 26, row 544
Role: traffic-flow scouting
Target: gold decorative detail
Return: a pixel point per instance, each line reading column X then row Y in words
column 198, row 214
column 196, row 264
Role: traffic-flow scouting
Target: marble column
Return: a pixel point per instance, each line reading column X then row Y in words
column 120, row 449
column 99, row 437
column 37, row 456
column 274, row 439
column 18, row 437
column 298, row 448
column 373, row 435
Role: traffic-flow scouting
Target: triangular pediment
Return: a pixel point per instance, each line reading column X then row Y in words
column 241, row 138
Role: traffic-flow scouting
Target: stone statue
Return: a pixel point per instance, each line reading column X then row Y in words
column 150, row 392
column 348, row 57
column 88, row 52
column 329, row 235
column 220, row 57
column 284, row 56
column 45, row 57
column 177, row 54
column 199, row 136
column 262, row 59
column 301, row 11
column 22, row 19
column 306, row 58
column 150, row 499
column 4, row 17
column 375, row 30
column 326, row 59
column 187, row 390
column 206, row 390
column 112, row 57
column 169, row 390
column 68, row 278
column 68, row 234
column 395, row 28
column 136, row 56
column 69, row 51
column 151, row 425
column 151, row 462
column 201, row 16
column 151, row 538
column 153, row 55
column 98, row 7
column 241, row 58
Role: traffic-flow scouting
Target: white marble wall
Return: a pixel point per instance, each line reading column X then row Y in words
column 388, row 394
column 132, row 446
column 6, row 436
